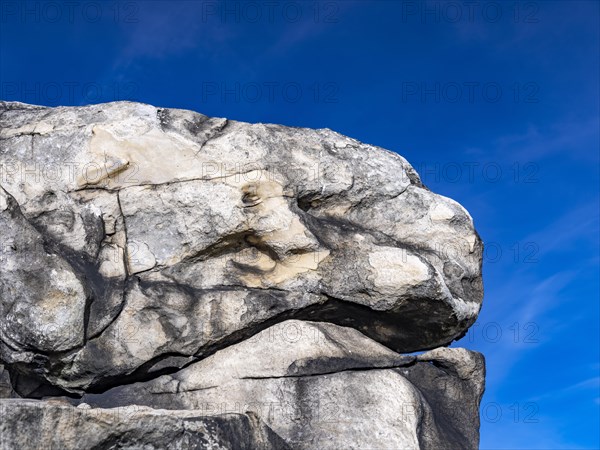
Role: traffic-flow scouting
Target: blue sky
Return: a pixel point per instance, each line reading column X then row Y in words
column 495, row 103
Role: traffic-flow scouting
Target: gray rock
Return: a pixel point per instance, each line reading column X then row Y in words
column 141, row 239
column 33, row 424
column 451, row 381
column 6, row 389
column 205, row 283
column 319, row 385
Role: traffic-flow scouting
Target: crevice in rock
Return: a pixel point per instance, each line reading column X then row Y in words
column 225, row 245
column 353, row 369
column 165, row 183
column 179, row 391
column 125, row 250
column 28, row 385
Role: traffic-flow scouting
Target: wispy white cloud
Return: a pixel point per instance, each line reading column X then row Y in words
column 529, row 297
column 573, row 139
column 514, row 304
column 526, row 297
column 568, row 391
column 577, row 225
column 165, row 29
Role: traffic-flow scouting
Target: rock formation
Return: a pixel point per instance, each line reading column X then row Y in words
column 192, row 282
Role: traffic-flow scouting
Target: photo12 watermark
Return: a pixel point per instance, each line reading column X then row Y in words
column 269, row 11
column 270, row 92
column 69, row 92
column 69, row 12
column 469, row 12
column 495, row 332
column 475, row 172
column 469, row 92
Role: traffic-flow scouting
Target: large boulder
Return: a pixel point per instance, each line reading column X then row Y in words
column 33, row 424
column 153, row 237
column 319, row 385
column 172, row 280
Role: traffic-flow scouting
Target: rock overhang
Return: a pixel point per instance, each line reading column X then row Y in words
column 183, row 233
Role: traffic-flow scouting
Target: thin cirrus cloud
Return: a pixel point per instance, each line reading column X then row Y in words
column 586, row 385
column 532, row 142
column 182, row 27
column 578, row 225
column 190, row 25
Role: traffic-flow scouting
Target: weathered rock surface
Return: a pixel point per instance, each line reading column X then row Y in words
column 153, row 236
column 33, row 424
column 319, row 385
column 6, row 389
column 146, row 252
